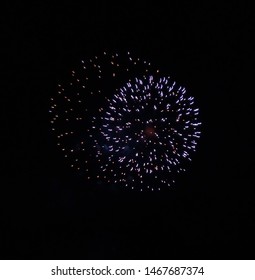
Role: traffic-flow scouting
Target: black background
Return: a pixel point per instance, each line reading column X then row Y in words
column 50, row 213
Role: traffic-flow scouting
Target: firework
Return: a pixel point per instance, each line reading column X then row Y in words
column 118, row 121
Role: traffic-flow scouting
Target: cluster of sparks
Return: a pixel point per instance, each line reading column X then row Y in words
column 118, row 121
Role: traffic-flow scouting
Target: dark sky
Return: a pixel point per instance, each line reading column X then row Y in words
column 50, row 213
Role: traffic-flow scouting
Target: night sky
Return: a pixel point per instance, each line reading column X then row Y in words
column 49, row 212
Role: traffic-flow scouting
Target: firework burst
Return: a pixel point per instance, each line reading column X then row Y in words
column 118, row 121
